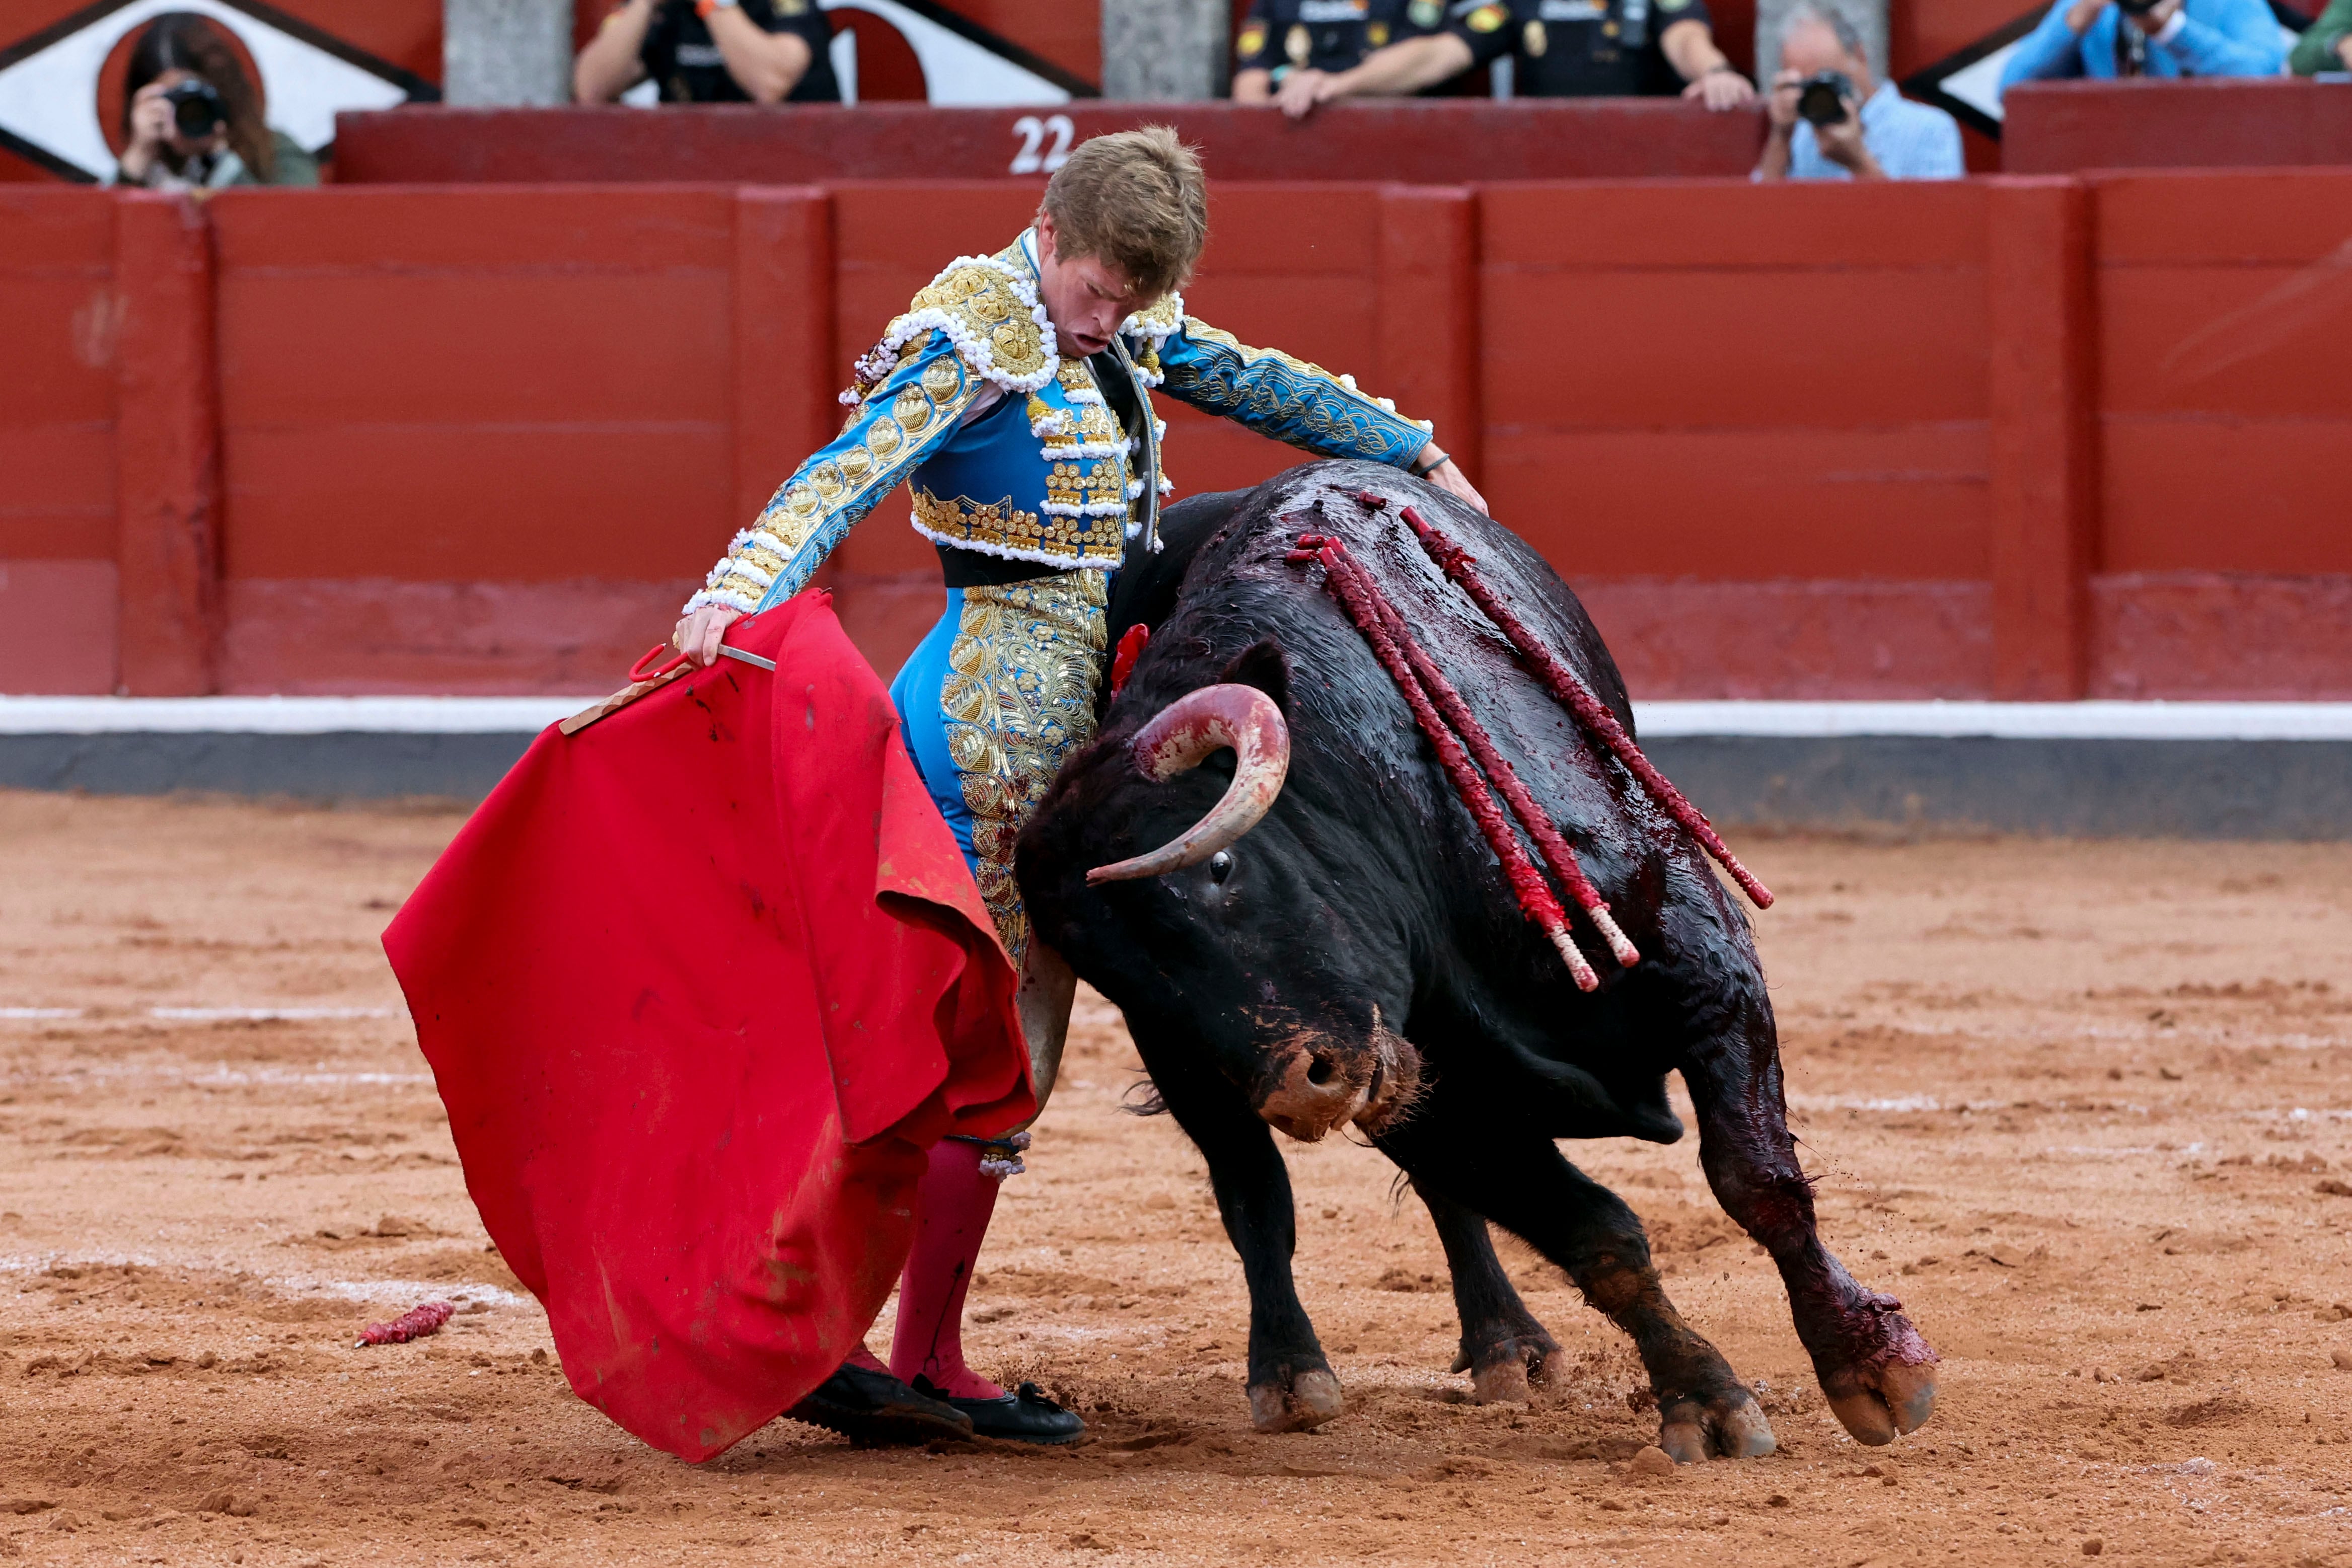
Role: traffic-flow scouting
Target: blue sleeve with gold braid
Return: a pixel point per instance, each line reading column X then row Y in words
column 1286, row 398
column 917, row 406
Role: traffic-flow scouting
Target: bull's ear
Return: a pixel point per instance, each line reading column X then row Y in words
column 1264, row 666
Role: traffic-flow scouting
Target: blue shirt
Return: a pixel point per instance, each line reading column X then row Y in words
column 2205, row 38
column 1910, row 140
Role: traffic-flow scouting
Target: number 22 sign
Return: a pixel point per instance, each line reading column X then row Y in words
column 1033, row 132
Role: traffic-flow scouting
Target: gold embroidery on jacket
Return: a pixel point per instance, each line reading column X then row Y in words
column 998, row 527
column 1018, row 698
column 912, row 410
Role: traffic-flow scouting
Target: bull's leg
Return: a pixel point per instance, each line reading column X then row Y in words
column 1520, row 1181
column 1879, row 1374
column 1291, row 1384
column 1504, row 1348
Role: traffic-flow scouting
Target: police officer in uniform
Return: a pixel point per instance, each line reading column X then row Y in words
column 711, row 51
column 1563, row 48
column 1287, row 46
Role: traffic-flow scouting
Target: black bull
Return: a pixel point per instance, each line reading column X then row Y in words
column 1358, row 958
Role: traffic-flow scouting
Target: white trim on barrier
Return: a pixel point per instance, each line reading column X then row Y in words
column 1794, row 720
column 2002, row 721
column 286, row 715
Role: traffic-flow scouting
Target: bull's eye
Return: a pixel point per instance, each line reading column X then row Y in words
column 1221, row 866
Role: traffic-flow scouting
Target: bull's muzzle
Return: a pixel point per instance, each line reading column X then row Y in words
column 1313, row 1083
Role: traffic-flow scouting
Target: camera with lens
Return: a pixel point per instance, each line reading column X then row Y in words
column 1820, row 97
column 196, row 108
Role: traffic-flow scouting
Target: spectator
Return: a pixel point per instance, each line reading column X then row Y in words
column 191, row 120
column 1882, row 135
column 2168, row 38
column 1315, row 38
column 2326, row 44
column 1563, row 48
column 711, row 51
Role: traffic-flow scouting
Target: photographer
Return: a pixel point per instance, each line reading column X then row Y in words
column 2150, row 38
column 191, row 120
column 1828, row 123
column 711, row 51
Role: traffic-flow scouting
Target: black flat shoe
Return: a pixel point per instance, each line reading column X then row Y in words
column 1025, row 1416
column 875, row 1410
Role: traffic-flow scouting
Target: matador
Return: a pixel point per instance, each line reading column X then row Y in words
column 1014, row 397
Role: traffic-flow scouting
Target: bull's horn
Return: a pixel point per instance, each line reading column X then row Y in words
column 1177, row 738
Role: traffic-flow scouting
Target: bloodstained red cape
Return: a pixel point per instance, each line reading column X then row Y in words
column 699, row 985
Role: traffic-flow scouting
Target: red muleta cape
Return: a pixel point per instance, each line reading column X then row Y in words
column 699, row 985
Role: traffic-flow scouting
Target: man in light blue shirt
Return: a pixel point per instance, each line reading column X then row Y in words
column 1882, row 136
column 2171, row 38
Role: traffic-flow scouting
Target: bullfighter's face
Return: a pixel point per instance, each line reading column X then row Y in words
column 1085, row 297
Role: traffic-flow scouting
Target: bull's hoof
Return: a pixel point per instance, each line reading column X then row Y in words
column 1505, row 1383
column 1731, row 1426
column 1301, row 1403
column 1878, row 1403
column 1507, row 1372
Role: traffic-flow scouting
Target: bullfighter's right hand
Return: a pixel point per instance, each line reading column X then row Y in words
column 1449, row 478
column 699, row 635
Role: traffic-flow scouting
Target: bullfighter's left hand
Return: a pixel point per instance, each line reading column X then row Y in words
column 1448, row 476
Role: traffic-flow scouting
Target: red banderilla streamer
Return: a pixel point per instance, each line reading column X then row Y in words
column 411, row 1324
column 1364, row 604
column 1131, row 648
column 1455, row 562
column 1557, row 853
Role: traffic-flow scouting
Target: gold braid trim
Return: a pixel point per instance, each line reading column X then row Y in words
column 1018, row 698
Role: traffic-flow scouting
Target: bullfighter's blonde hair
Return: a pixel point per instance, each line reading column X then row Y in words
column 1134, row 199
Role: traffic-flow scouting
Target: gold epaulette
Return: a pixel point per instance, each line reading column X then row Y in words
column 1157, row 320
column 987, row 308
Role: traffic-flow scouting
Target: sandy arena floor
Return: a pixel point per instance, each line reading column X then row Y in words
column 2087, row 1108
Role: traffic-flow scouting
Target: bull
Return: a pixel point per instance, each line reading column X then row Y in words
column 1261, row 864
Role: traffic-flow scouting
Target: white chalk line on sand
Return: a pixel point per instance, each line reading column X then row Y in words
column 464, row 1293
column 221, row 1077
column 216, row 1015
column 1910, row 1104
column 400, row 1290
column 219, row 1015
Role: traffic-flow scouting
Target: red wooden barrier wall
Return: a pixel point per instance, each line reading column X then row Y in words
column 1423, row 140
column 2026, row 438
column 1759, row 387
column 2214, row 122
column 475, row 438
column 58, row 586
column 2225, row 414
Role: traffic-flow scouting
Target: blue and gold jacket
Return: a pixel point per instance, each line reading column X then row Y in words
column 1044, row 471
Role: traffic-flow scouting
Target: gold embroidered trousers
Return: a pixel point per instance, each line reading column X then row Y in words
column 999, row 693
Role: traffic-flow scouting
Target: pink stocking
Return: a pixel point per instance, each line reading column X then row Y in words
column 952, row 1215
